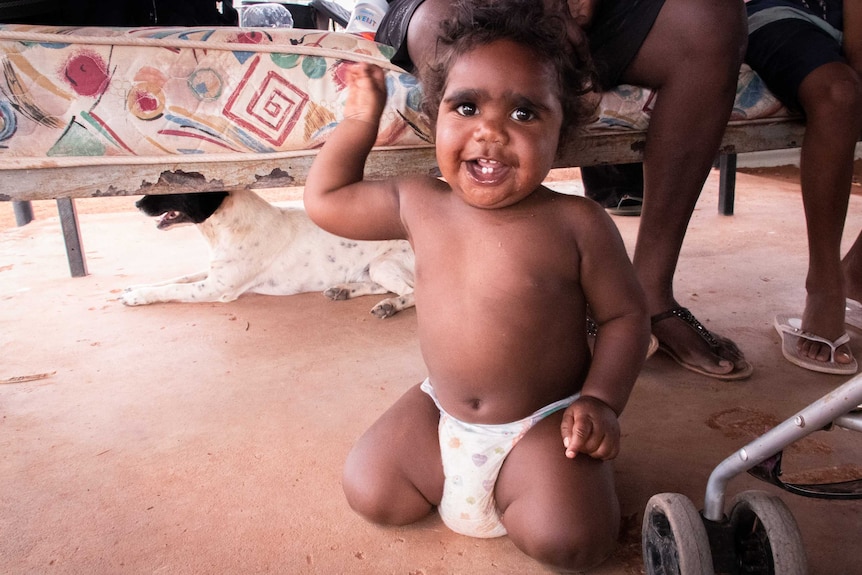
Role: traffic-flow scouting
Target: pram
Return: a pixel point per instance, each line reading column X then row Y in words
column 759, row 535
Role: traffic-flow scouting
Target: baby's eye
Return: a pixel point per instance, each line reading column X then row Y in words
column 523, row 115
column 466, row 109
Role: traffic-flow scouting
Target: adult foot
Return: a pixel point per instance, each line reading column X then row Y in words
column 805, row 349
column 824, row 318
column 682, row 337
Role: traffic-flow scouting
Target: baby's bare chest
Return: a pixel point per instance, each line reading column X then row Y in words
column 521, row 255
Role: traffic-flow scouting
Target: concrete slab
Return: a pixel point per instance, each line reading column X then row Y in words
column 209, row 438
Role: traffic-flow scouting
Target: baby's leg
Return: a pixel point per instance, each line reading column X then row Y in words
column 562, row 512
column 394, row 475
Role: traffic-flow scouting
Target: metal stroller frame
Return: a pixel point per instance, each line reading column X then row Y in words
column 759, row 534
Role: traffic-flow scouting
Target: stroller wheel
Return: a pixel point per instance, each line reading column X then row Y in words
column 674, row 538
column 765, row 535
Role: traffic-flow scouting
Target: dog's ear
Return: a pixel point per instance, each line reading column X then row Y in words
column 204, row 204
column 195, row 208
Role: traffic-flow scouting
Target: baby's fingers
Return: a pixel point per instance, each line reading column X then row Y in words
column 576, row 435
column 606, row 448
column 363, row 72
column 366, row 95
column 597, row 445
column 583, row 434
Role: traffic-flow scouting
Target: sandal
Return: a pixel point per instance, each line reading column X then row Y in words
column 790, row 330
column 715, row 345
column 627, row 206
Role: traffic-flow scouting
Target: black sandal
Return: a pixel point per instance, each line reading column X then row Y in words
column 714, row 345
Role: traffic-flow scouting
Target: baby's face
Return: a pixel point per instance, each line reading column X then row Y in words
column 498, row 125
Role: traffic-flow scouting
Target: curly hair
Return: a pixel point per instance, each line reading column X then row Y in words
column 528, row 23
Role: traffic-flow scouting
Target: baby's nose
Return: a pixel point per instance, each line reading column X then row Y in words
column 491, row 130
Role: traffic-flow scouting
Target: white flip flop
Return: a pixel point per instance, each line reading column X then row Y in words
column 790, row 330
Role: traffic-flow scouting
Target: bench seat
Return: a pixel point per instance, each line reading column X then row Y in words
column 89, row 112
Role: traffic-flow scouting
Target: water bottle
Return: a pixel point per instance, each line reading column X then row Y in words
column 265, row 15
column 366, row 16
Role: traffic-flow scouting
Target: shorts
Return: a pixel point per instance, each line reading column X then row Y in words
column 785, row 51
column 393, row 31
column 618, row 30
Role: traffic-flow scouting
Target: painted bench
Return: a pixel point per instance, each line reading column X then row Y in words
column 91, row 112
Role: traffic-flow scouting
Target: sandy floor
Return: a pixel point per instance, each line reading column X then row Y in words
column 210, row 438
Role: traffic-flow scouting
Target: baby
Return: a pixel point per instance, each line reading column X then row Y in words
column 513, row 429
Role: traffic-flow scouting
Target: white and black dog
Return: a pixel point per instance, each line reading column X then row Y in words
column 258, row 247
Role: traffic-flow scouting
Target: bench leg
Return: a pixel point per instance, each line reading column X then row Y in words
column 72, row 237
column 23, row 213
column 726, row 183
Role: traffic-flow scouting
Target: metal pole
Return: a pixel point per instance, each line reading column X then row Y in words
column 23, row 213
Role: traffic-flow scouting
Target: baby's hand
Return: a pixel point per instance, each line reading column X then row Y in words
column 366, row 97
column 591, row 427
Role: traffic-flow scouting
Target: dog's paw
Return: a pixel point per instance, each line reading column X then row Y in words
column 383, row 310
column 390, row 306
column 133, row 296
column 337, row 293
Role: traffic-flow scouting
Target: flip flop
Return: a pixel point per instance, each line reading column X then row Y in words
column 790, row 330
column 714, row 344
column 627, row 206
column 853, row 313
column 653, row 346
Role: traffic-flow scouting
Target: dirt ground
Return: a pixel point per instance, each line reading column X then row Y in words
column 210, row 438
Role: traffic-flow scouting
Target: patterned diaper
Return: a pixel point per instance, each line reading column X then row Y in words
column 472, row 457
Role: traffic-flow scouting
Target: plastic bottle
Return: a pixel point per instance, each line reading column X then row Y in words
column 265, row 15
column 366, row 16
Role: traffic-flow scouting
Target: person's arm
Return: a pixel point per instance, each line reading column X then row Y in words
column 336, row 196
column 853, row 33
column 618, row 306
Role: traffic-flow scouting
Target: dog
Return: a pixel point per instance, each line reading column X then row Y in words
column 262, row 248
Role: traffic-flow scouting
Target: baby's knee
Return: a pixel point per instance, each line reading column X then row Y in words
column 365, row 494
column 570, row 550
column 385, row 498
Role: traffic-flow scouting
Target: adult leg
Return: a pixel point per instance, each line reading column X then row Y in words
column 831, row 97
column 424, row 29
column 692, row 57
column 394, row 475
column 852, row 266
column 562, row 512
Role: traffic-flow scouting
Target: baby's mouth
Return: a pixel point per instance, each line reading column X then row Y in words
column 487, row 171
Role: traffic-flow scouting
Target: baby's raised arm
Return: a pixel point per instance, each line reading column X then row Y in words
column 336, row 196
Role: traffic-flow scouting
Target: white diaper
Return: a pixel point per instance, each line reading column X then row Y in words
column 472, row 457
